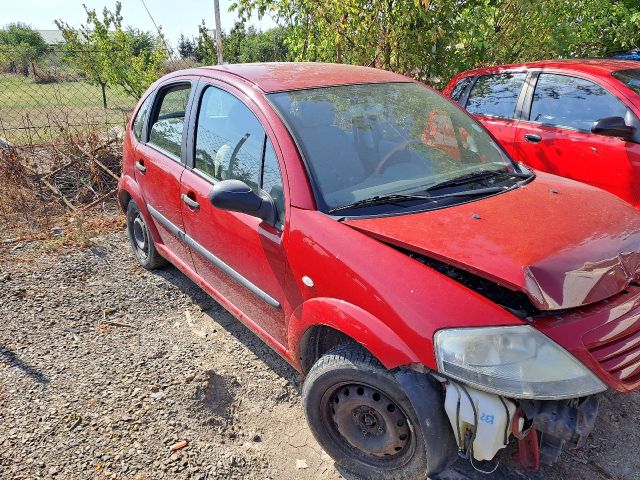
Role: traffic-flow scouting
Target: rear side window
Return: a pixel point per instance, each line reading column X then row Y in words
column 460, row 88
column 496, row 95
column 168, row 123
column 565, row 101
column 143, row 112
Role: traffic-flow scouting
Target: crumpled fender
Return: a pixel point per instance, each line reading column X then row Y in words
column 129, row 185
column 369, row 331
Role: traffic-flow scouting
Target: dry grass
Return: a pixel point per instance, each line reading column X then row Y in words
column 60, row 193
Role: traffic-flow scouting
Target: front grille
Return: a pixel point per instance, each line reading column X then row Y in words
column 617, row 349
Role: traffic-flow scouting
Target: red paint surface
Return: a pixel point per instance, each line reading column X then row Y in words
column 375, row 294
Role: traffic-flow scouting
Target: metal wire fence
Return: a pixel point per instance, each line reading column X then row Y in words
column 40, row 100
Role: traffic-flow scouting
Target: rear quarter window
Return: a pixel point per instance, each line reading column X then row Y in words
column 141, row 117
column 460, row 88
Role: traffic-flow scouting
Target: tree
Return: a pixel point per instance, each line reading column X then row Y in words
column 434, row 39
column 111, row 55
column 205, row 46
column 186, row 47
column 21, row 47
column 141, row 41
column 244, row 45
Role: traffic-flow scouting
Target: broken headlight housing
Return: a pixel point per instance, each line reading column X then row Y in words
column 515, row 361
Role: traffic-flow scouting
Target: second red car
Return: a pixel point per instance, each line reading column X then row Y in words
column 575, row 118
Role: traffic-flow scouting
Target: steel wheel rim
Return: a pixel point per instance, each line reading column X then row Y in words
column 366, row 423
column 140, row 236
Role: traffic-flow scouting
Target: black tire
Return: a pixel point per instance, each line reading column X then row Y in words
column 144, row 249
column 392, row 436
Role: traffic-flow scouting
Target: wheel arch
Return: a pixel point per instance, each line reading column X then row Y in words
column 128, row 190
column 322, row 323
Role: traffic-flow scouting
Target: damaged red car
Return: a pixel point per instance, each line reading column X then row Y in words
column 440, row 299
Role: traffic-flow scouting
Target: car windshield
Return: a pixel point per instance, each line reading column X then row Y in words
column 631, row 78
column 369, row 141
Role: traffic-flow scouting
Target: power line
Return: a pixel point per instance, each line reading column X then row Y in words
column 169, row 49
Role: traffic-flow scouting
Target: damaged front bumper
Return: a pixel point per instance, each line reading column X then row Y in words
column 484, row 423
column 604, row 338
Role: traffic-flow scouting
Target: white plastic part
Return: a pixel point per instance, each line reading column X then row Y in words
column 491, row 420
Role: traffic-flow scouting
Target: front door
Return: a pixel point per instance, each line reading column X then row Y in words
column 159, row 165
column 239, row 256
column 557, row 136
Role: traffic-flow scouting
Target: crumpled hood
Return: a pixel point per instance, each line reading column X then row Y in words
column 562, row 243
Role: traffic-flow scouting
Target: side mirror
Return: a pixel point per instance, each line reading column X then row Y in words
column 613, row 127
column 237, row 196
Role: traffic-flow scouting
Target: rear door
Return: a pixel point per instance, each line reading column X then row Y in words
column 494, row 100
column 159, row 163
column 239, row 256
column 555, row 134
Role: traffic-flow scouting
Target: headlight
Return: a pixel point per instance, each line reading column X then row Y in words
column 516, row 362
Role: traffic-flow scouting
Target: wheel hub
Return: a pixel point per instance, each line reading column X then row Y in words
column 369, row 421
column 140, row 234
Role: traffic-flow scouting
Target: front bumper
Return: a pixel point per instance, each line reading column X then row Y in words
column 605, row 337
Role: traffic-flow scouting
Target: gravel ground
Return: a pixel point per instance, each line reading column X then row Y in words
column 105, row 366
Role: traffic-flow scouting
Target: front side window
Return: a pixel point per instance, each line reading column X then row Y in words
column 361, row 142
column 496, row 95
column 565, row 101
column 231, row 144
column 141, row 116
column 229, row 139
column 168, row 124
column 631, row 78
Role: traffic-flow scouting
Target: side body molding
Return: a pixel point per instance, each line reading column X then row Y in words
column 212, row 258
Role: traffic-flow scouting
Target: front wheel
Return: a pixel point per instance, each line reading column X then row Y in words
column 361, row 416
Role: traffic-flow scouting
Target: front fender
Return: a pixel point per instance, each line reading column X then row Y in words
column 353, row 321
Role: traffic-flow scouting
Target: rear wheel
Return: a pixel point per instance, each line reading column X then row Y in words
column 362, row 418
column 142, row 243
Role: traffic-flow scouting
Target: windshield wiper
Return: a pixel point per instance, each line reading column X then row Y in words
column 381, row 199
column 396, row 197
column 474, row 176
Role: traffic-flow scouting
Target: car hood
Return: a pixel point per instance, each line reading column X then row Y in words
column 562, row 243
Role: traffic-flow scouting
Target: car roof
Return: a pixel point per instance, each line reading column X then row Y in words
column 281, row 76
column 591, row 65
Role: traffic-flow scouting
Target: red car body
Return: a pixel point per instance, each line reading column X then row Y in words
column 610, row 163
column 569, row 250
column 394, row 308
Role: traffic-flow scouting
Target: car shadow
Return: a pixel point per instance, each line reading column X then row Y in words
column 11, row 359
column 230, row 323
column 460, row 470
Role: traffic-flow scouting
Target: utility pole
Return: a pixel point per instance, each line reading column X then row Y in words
column 216, row 6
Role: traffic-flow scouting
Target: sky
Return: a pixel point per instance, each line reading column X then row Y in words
column 175, row 16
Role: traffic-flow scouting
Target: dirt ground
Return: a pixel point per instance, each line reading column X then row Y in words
column 104, row 366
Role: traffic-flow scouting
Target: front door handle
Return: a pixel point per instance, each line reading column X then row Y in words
column 140, row 166
column 190, row 201
column 532, row 138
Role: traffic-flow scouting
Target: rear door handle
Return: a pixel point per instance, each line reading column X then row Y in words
column 532, row 138
column 140, row 166
column 189, row 201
